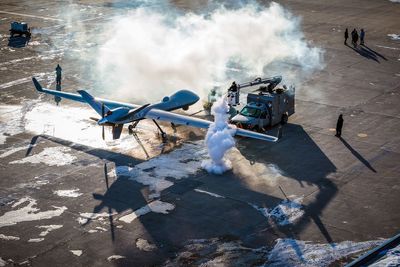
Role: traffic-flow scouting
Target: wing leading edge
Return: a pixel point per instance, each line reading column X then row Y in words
column 175, row 118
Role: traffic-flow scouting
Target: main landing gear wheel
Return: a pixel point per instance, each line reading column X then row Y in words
column 163, row 134
column 130, row 129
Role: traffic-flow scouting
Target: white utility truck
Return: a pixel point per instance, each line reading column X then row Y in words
column 266, row 106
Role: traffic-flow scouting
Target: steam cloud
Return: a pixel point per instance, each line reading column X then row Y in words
column 146, row 54
column 219, row 139
column 152, row 54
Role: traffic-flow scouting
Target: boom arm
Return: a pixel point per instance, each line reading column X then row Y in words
column 274, row 81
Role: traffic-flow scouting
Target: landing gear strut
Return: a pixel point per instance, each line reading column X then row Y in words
column 132, row 126
column 163, row 134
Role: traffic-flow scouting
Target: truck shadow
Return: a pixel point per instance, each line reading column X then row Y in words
column 299, row 158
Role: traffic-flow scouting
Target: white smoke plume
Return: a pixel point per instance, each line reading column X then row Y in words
column 150, row 54
column 219, row 139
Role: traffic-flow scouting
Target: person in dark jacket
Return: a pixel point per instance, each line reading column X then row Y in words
column 355, row 37
column 58, row 73
column 339, row 126
column 362, row 36
column 346, row 36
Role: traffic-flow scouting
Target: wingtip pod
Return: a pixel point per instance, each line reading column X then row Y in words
column 37, row 84
column 260, row 136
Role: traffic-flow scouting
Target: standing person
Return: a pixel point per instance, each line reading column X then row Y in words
column 346, row 36
column 339, row 126
column 58, row 73
column 355, row 37
column 234, row 92
column 362, row 36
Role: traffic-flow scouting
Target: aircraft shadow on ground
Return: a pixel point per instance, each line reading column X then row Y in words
column 118, row 195
column 300, row 158
column 296, row 155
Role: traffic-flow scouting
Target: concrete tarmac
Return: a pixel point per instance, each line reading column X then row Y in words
column 141, row 202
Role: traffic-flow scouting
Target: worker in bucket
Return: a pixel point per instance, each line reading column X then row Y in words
column 58, row 73
column 233, row 94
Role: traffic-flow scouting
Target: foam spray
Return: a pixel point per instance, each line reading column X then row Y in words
column 219, row 139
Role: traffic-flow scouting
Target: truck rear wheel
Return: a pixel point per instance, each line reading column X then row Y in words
column 284, row 119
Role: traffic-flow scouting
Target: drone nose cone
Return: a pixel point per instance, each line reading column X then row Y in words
column 191, row 96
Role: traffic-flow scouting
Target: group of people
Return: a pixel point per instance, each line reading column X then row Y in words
column 354, row 37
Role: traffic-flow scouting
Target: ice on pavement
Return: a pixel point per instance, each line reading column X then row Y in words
column 52, row 156
column 287, row 212
column 28, row 213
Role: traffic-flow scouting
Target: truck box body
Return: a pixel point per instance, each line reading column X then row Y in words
column 266, row 109
column 19, row 26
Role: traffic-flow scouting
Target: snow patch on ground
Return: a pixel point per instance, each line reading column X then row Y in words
column 39, row 77
column 34, row 43
column 37, row 183
column 286, row 252
column 208, row 193
column 178, row 164
column 156, row 206
column 393, row 36
column 12, row 151
column 67, row 193
column 76, row 252
column 144, row 245
column 8, row 237
column 287, row 212
column 87, row 216
column 290, row 252
column 115, row 257
column 28, row 213
column 48, row 228
column 73, row 124
column 391, row 258
column 98, row 229
column 52, row 156
column 256, row 173
column 35, row 240
column 388, row 47
column 10, row 123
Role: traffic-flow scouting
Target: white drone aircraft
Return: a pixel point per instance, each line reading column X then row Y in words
column 116, row 114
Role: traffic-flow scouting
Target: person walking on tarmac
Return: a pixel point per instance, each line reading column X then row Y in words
column 362, row 36
column 346, row 36
column 354, row 37
column 58, row 73
column 339, row 126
